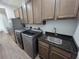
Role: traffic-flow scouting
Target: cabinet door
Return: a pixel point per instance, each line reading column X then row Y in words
column 21, row 14
column 67, row 8
column 24, row 14
column 37, row 11
column 48, row 9
column 43, row 50
column 17, row 13
column 30, row 12
column 55, row 55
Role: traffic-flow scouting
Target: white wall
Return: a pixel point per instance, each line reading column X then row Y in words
column 3, row 23
column 76, row 35
column 66, row 27
column 9, row 13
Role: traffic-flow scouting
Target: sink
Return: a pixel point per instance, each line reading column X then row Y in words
column 54, row 40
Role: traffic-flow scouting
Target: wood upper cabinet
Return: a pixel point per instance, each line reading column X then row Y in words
column 17, row 13
column 67, row 8
column 30, row 12
column 37, row 11
column 21, row 14
column 48, row 9
column 24, row 14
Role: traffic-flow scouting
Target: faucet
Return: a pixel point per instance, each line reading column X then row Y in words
column 55, row 31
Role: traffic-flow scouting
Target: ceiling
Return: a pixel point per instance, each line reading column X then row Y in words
column 12, row 3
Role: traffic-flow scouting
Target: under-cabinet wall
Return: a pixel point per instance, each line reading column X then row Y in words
column 66, row 27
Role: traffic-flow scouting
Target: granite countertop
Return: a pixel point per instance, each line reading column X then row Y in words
column 68, row 43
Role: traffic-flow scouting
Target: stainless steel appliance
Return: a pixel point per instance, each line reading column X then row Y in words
column 18, row 28
column 30, row 42
column 18, row 37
